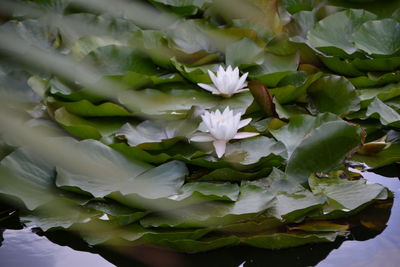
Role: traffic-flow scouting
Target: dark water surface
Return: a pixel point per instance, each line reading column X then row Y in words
column 24, row 247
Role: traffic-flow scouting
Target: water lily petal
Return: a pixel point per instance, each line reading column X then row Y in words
column 236, row 72
column 244, row 122
column 242, row 81
column 208, row 88
column 243, row 135
column 226, row 82
column 212, row 77
column 220, row 146
column 207, row 120
column 242, row 90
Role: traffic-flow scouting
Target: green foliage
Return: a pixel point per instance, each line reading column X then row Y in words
column 321, row 82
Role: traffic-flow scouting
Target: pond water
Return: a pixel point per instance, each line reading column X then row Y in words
column 26, row 247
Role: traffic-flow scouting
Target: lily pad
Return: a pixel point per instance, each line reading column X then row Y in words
column 382, row 93
column 379, row 37
column 85, row 108
column 120, row 171
column 84, row 128
column 385, row 157
column 299, row 127
column 134, row 80
column 344, row 195
column 283, row 240
column 243, row 53
column 377, row 64
column 149, row 135
column 333, row 34
column 293, row 202
column 189, row 37
column 342, row 66
column 273, row 68
column 334, row 94
column 59, row 213
column 131, row 177
column 116, row 60
column 386, row 114
column 325, row 149
column 115, row 212
column 176, row 103
column 195, row 74
column 252, row 151
column 290, row 93
column 28, row 177
column 87, row 44
column 252, row 200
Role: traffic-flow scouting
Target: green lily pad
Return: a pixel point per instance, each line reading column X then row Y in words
column 138, row 153
column 377, row 64
column 176, row 103
column 386, row 114
column 87, row 44
column 116, row 212
column 273, row 68
column 28, row 177
column 290, row 93
column 283, row 240
column 68, row 91
column 59, row 213
column 253, row 150
column 243, row 53
column 382, row 93
column 379, row 37
column 289, row 111
column 320, row 226
column 252, row 200
column 192, row 193
column 117, row 60
column 299, row 127
column 302, row 22
column 94, row 25
column 86, row 129
column 231, row 175
column 195, row 74
column 344, row 195
column 385, row 157
column 85, row 108
column 293, row 202
column 127, row 176
column 342, row 66
column 145, row 183
column 325, row 149
column 333, row 34
column 189, row 37
column 134, row 80
column 139, row 235
column 334, row 94
column 375, row 80
column 149, row 135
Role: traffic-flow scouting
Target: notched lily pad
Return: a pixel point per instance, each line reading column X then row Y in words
column 149, row 135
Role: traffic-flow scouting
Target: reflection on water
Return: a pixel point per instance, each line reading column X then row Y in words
column 22, row 248
column 383, row 250
column 365, row 247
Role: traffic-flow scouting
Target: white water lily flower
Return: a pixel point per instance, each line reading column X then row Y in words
column 226, row 83
column 222, row 127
